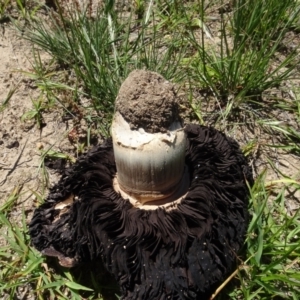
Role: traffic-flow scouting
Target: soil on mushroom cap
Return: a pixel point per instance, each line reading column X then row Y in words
column 148, row 100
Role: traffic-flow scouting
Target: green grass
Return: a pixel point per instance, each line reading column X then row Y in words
column 273, row 246
column 102, row 51
column 23, row 269
column 228, row 59
column 245, row 61
column 22, row 9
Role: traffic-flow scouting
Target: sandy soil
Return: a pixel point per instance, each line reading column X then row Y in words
column 21, row 142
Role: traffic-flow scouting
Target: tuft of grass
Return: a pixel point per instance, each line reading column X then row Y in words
column 18, row 9
column 273, row 246
column 28, row 9
column 103, row 50
column 10, row 94
column 36, row 112
column 245, row 62
column 4, row 6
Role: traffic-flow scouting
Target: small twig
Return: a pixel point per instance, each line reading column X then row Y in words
column 218, row 290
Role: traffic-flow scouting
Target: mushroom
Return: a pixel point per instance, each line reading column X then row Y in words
column 163, row 206
column 149, row 142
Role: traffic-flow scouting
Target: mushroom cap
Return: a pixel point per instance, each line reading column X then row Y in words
column 147, row 100
column 182, row 253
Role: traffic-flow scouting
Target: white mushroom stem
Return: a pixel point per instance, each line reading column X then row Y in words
column 150, row 166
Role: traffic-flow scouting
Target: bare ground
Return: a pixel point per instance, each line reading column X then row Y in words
column 21, row 142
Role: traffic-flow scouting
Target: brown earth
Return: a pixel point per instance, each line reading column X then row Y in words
column 149, row 101
column 22, row 142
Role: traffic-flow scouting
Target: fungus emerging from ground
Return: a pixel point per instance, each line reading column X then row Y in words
column 164, row 207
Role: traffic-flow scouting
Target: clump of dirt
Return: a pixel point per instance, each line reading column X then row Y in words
column 147, row 100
